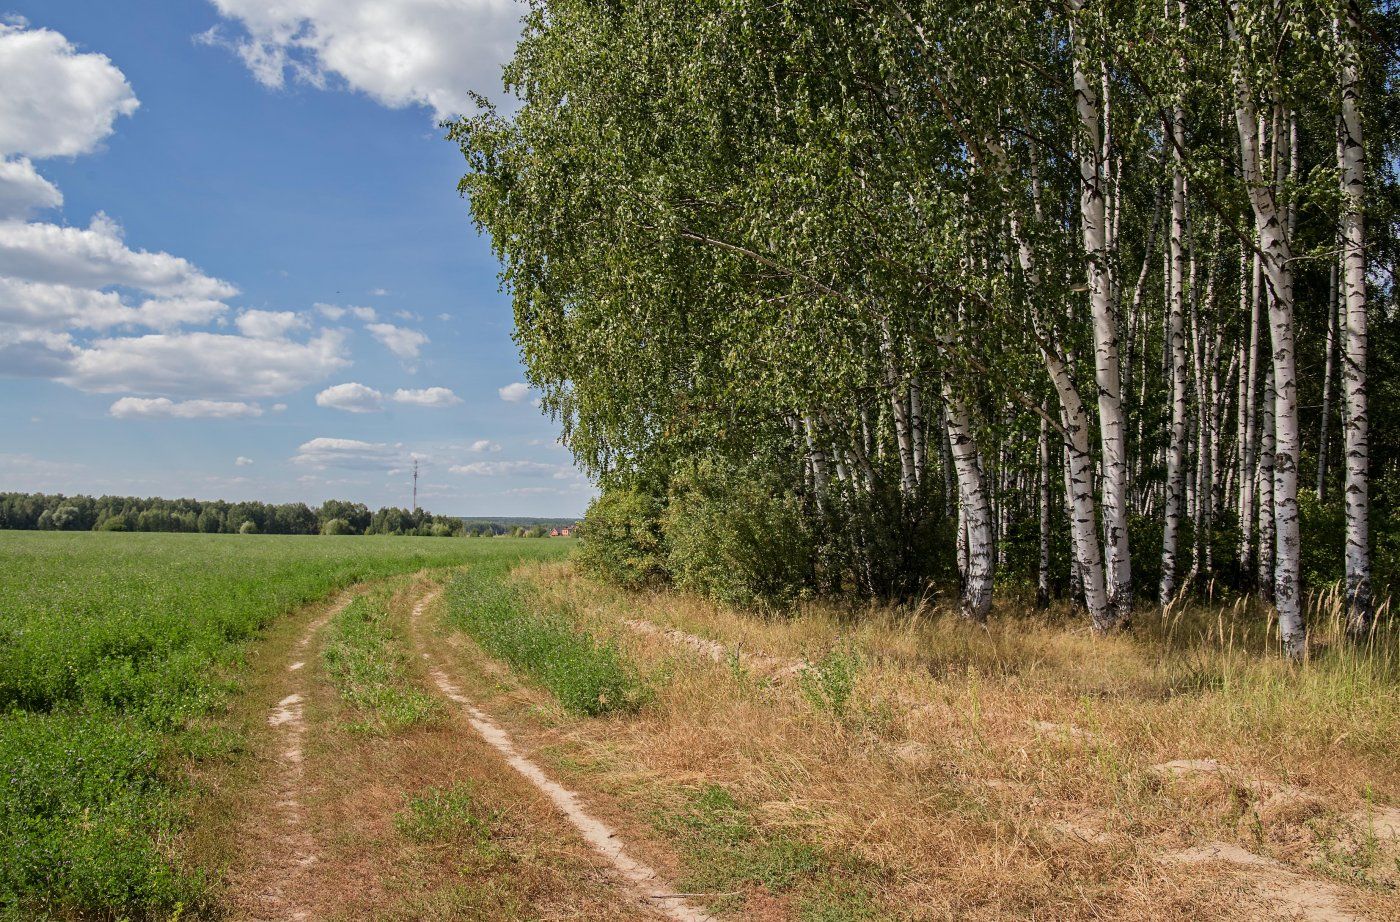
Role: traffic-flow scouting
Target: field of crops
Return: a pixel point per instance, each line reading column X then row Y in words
column 111, row 647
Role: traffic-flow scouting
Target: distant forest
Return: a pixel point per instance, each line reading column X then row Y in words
column 56, row 512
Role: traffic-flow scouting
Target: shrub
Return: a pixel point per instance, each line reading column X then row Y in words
column 732, row 538
column 248, row 528
column 829, row 683
column 337, row 527
column 622, row 540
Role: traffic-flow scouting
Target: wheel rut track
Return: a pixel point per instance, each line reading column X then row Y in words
column 279, row 881
column 642, row 882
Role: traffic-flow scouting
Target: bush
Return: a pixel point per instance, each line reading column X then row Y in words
column 248, row 528
column 622, row 540
column 337, row 527
column 734, row 539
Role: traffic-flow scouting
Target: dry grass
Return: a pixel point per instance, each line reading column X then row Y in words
column 999, row 773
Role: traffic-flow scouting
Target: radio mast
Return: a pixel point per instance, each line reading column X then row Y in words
column 415, row 484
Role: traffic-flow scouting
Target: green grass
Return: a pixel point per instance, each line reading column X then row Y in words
column 586, row 675
column 367, row 661
column 724, row 850
column 111, row 648
column 452, row 816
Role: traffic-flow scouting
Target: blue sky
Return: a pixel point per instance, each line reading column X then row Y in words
column 260, row 282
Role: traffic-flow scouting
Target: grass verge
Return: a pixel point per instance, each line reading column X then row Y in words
column 586, row 675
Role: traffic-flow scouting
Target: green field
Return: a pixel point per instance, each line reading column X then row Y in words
column 112, row 646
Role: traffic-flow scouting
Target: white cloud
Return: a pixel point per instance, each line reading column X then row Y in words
column 336, row 312
column 514, row 393
column 484, row 445
column 436, row 397
column 97, row 257
column 57, row 102
column 401, row 341
column 399, row 52
column 352, row 398
column 241, row 461
column 322, row 453
column 407, row 315
column 55, row 307
column 162, row 408
column 23, row 190
column 378, row 292
column 268, row 324
column 201, row 364
column 512, row 468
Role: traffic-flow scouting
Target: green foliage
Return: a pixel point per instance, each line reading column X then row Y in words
column 730, row 537
column 1323, row 531
column 718, row 248
column 111, row 647
column 622, row 539
column 829, row 683
column 586, row 675
column 367, row 661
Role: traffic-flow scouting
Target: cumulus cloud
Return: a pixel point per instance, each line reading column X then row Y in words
column 57, row 307
column 435, row 397
column 484, row 445
column 322, row 453
column 268, row 324
column 97, row 257
column 514, row 393
column 352, row 398
column 57, row 101
column 403, row 342
column 23, row 190
column 201, row 364
column 432, row 53
column 336, row 312
column 241, row 461
column 163, row 408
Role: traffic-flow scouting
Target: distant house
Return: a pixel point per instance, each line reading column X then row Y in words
column 560, row 532
column 554, row 532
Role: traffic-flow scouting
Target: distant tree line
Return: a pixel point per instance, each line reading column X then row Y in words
column 516, row 528
column 57, row 512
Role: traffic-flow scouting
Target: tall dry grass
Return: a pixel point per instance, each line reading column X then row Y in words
column 1009, row 771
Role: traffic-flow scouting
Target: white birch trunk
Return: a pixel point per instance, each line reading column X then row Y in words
column 1079, row 461
column 1357, row 432
column 1329, row 372
column 1107, row 374
column 1276, row 259
column 1176, row 347
column 974, row 509
column 1042, row 585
